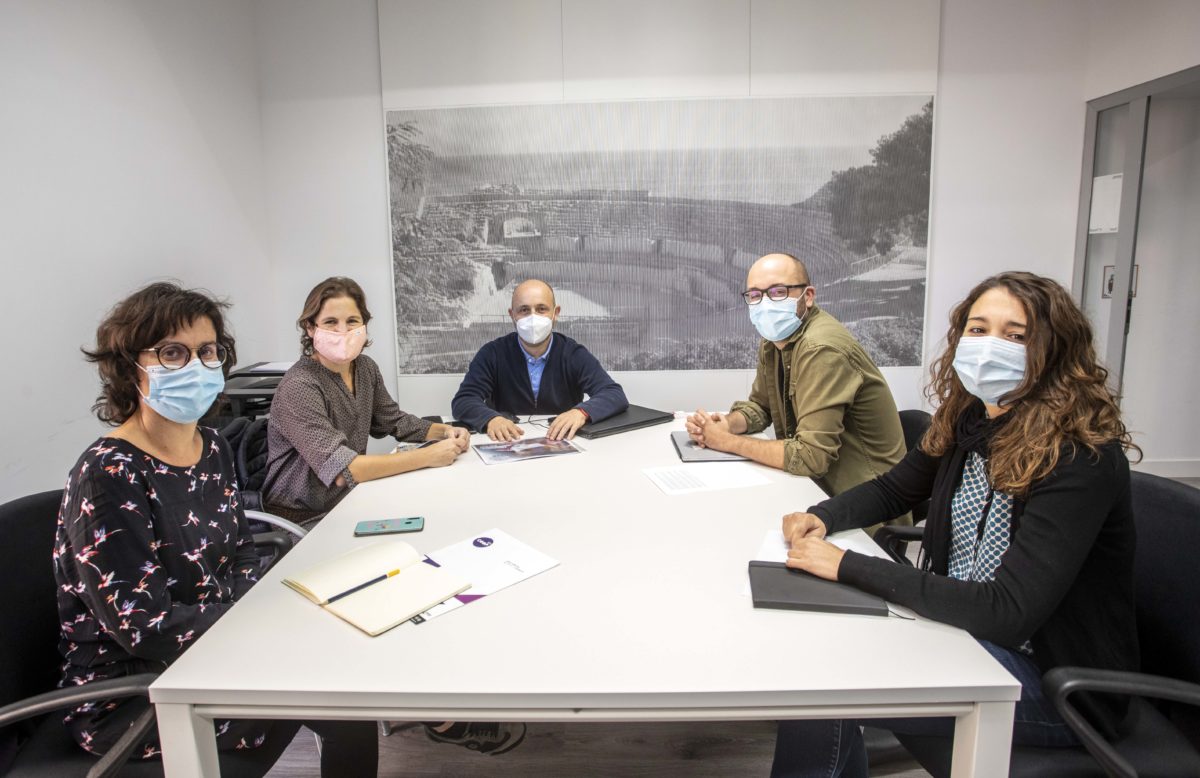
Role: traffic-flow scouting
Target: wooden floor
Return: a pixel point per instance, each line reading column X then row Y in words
column 694, row 750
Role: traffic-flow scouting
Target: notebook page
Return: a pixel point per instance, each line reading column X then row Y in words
column 357, row 566
column 380, row 607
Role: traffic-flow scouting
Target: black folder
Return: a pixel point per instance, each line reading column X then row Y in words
column 775, row 585
column 632, row 418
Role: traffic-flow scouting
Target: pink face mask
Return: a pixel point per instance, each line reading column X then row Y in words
column 339, row 347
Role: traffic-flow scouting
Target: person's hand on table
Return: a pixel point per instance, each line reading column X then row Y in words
column 501, row 429
column 442, row 453
column 709, row 430
column 807, row 548
column 565, row 425
column 460, row 436
column 802, row 525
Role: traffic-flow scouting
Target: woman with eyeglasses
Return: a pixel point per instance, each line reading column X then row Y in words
column 1030, row 537
column 330, row 403
column 152, row 545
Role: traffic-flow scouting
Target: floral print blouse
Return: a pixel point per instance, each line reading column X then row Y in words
column 147, row 557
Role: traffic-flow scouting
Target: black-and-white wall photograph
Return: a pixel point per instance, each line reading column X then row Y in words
column 645, row 216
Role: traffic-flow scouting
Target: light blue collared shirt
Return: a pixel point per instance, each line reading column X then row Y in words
column 536, row 365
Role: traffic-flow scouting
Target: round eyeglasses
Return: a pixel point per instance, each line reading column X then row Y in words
column 776, row 292
column 175, row 356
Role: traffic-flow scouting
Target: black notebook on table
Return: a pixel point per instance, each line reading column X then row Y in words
column 632, row 418
column 775, row 585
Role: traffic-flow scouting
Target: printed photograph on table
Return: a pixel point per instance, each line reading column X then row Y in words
column 645, row 217
column 520, row 450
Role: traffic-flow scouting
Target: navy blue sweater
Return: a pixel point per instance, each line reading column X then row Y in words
column 497, row 382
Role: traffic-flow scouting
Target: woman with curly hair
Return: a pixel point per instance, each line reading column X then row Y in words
column 1029, row 541
column 152, row 546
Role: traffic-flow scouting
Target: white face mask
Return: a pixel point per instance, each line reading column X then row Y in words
column 988, row 367
column 534, row 328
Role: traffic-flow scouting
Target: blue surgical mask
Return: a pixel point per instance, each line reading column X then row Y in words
column 776, row 320
column 988, row 367
column 183, row 395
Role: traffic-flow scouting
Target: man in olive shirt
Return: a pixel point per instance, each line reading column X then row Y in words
column 834, row 417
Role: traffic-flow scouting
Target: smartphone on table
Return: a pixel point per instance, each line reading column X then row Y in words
column 389, row 526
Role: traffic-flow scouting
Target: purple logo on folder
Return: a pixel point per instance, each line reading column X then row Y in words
column 482, row 542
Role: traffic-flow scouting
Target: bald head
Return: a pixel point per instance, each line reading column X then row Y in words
column 775, row 269
column 533, row 296
column 532, row 292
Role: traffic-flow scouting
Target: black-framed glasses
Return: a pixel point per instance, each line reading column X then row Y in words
column 541, row 423
column 175, row 356
column 776, row 292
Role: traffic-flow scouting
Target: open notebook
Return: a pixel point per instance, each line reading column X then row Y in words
column 377, row 587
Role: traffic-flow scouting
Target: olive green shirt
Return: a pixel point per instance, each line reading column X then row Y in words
column 829, row 404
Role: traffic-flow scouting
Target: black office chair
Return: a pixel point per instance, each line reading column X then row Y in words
column 1156, row 739
column 916, row 424
column 33, row 740
column 273, row 535
column 894, row 539
column 251, row 462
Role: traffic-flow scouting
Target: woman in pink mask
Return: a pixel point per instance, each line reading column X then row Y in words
column 330, row 402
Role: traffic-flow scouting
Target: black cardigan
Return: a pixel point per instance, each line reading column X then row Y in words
column 497, row 382
column 1065, row 583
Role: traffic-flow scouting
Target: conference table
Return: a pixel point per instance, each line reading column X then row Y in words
column 646, row 618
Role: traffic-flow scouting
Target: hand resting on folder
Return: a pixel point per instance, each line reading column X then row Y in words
column 807, row 548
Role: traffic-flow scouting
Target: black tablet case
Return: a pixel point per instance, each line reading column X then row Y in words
column 775, row 585
column 632, row 418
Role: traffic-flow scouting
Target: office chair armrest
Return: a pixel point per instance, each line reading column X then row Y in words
column 890, row 538
column 129, row 686
column 277, row 521
column 281, row 541
column 1061, row 682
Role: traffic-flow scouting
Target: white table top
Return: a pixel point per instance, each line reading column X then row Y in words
column 646, row 610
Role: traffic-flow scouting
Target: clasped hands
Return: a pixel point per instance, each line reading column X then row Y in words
column 714, row 430
column 807, row 548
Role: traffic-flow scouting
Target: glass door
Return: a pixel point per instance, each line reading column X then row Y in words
column 1108, row 236
column 1137, row 265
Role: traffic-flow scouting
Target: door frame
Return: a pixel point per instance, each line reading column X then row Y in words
column 1138, row 99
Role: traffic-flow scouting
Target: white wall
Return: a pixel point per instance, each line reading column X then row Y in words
column 1130, row 43
column 130, row 152
column 1008, row 145
column 324, row 161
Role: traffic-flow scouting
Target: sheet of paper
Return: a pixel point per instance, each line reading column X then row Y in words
column 705, row 477
column 491, row 561
column 1105, row 215
column 775, row 549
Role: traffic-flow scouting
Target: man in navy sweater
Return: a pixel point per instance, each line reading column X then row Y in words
column 534, row 371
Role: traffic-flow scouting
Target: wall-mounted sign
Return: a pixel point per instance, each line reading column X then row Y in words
column 1106, row 204
column 1110, row 279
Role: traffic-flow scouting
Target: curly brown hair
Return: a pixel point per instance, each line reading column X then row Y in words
column 139, row 322
column 335, row 286
column 1064, row 400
